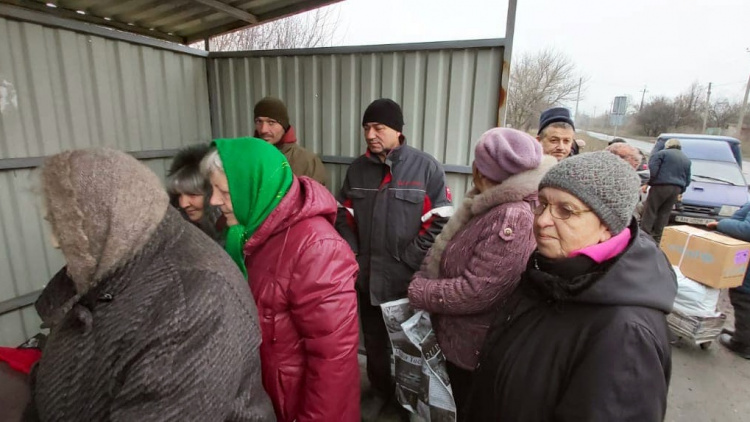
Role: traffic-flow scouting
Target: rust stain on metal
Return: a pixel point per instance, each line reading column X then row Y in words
column 503, row 96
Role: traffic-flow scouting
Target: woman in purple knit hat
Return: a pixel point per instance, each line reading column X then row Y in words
column 477, row 260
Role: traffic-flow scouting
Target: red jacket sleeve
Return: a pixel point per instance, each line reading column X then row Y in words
column 324, row 309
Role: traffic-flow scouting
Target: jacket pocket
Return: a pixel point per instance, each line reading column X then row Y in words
column 412, row 196
column 405, row 215
column 359, row 202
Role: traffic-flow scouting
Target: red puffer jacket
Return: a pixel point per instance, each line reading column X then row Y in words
column 302, row 275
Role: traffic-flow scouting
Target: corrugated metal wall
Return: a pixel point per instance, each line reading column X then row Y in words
column 449, row 93
column 61, row 90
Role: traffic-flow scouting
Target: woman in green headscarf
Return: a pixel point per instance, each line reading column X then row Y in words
column 301, row 273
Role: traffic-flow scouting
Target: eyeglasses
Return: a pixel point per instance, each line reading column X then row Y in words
column 560, row 212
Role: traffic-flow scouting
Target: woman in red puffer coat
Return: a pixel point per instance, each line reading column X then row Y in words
column 301, row 273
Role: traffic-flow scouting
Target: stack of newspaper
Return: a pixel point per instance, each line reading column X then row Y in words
column 422, row 384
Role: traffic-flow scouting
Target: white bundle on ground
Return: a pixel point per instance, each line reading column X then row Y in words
column 695, row 299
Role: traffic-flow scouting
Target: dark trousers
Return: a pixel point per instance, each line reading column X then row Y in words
column 741, row 303
column 460, row 384
column 377, row 346
column 659, row 203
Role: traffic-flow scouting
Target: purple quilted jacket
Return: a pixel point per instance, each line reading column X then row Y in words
column 476, row 262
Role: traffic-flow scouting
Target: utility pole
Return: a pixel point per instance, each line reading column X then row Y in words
column 643, row 96
column 580, row 81
column 708, row 104
column 744, row 107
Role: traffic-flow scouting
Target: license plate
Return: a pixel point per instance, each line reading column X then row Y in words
column 693, row 220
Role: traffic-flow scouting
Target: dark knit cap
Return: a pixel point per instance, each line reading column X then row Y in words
column 385, row 111
column 554, row 115
column 272, row 108
column 601, row 180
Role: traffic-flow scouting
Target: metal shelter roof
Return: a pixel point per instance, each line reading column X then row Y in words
column 179, row 21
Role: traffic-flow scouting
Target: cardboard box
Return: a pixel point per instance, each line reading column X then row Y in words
column 707, row 257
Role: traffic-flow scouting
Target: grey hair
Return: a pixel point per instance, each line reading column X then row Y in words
column 211, row 163
column 627, row 152
column 559, row 125
column 673, row 143
column 187, row 180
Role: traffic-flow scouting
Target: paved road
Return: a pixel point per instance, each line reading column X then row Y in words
column 641, row 145
column 645, row 147
column 709, row 385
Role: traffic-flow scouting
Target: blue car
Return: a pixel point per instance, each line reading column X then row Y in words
column 718, row 187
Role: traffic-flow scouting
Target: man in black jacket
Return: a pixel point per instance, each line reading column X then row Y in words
column 393, row 204
column 670, row 176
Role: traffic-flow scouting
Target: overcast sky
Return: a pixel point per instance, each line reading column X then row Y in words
column 619, row 45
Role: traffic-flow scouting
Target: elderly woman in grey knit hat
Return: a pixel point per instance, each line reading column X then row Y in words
column 584, row 336
column 153, row 321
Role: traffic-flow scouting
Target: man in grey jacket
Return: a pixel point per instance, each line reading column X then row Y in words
column 393, row 204
column 670, row 176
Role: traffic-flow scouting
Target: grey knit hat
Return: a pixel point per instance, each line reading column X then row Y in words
column 601, row 180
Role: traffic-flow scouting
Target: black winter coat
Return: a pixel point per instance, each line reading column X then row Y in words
column 390, row 214
column 599, row 354
column 670, row 167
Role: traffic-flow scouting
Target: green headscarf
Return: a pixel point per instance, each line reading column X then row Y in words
column 259, row 176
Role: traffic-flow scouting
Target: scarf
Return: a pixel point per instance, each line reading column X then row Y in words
column 258, row 176
column 562, row 279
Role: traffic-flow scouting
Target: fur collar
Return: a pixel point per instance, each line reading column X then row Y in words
column 514, row 189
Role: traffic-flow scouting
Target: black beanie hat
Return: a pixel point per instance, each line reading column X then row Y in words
column 384, row 111
column 272, row 108
column 554, row 115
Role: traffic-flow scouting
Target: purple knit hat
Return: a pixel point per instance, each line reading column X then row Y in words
column 503, row 152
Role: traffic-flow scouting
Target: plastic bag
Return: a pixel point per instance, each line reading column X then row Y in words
column 422, row 384
column 695, row 299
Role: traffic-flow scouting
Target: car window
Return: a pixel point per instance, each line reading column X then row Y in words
column 717, row 170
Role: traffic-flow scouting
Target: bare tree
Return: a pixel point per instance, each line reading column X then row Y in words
column 658, row 116
column 539, row 81
column 316, row 28
column 688, row 106
column 724, row 113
